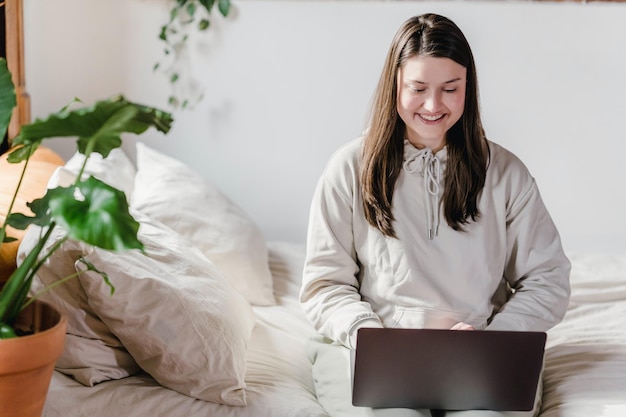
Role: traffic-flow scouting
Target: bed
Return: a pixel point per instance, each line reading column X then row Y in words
column 585, row 354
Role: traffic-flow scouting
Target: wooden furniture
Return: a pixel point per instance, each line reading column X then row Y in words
column 14, row 43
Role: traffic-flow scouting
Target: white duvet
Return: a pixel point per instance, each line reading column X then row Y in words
column 278, row 377
column 585, row 373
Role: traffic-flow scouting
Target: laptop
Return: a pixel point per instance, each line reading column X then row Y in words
column 447, row 369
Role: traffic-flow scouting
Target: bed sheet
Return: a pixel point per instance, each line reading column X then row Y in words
column 585, row 362
column 279, row 380
column 585, row 372
column 586, row 353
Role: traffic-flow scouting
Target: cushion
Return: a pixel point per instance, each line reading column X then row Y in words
column 172, row 313
column 171, row 192
column 116, row 169
column 175, row 313
column 92, row 354
column 40, row 167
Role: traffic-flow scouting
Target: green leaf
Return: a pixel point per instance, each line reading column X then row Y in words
column 22, row 153
column 224, row 7
column 174, row 78
column 191, row 9
column 108, row 136
column 6, row 331
column 203, row 24
column 7, row 97
column 98, row 127
column 207, row 4
column 104, row 275
column 163, row 33
column 21, row 221
column 15, row 290
column 8, row 239
column 174, row 12
column 94, row 213
column 160, row 120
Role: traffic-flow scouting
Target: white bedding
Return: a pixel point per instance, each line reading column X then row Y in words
column 585, row 368
column 585, row 373
column 278, row 376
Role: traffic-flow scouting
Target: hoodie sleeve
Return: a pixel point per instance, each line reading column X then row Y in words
column 330, row 288
column 536, row 268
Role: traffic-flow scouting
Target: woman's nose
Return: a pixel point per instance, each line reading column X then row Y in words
column 432, row 102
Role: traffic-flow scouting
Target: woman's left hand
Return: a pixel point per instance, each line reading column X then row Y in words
column 462, row 326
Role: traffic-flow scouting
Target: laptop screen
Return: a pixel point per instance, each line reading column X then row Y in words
column 447, row 369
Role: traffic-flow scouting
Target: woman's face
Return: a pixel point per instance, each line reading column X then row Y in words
column 431, row 99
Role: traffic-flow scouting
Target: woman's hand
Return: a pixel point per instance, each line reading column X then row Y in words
column 462, row 326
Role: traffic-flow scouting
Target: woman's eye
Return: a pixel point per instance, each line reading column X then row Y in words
column 449, row 90
column 416, row 89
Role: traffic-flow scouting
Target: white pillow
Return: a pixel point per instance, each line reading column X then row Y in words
column 92, row 353
column 116, row 169
column 169, row 191
column 175, row 313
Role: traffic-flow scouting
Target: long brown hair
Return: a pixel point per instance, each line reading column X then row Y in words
column 383, row 146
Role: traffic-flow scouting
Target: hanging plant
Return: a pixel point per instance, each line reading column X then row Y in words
column 185, row 15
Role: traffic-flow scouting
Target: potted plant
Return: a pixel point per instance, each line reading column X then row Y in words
column 89, row 210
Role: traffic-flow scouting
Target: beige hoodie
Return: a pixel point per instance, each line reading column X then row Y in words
column 432, row 276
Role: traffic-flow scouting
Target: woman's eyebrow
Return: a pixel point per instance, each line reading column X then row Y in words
column 445, row 82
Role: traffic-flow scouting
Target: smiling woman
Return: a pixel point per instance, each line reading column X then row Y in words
column 431, row 99
column 412, row 224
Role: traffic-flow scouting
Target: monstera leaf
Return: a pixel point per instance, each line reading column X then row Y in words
column 90, row 211
column 7, row 97
column 98, row 128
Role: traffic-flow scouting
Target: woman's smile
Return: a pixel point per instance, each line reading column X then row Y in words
column 431, row 99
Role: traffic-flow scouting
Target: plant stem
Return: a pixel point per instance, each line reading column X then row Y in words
column 49, row 287
column 15, row 194
column 38, row 265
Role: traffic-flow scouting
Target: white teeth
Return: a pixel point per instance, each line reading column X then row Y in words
column 431, row 118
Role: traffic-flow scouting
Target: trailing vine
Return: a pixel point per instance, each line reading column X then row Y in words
column 184, row 15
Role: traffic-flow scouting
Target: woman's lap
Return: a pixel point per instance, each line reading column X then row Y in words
column 333, row 386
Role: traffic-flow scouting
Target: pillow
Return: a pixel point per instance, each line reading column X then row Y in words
column 180, row 319
column 41, row 165
column 92, row 353
column 116, row 169
column 172, row 193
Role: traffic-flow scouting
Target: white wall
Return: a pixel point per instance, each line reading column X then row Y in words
column 286, row 82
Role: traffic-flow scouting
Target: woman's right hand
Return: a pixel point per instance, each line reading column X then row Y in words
column 462, row 326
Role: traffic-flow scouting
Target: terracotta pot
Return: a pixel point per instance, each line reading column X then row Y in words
column 27, row 362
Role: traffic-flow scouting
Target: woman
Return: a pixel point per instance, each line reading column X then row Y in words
column 423, row 222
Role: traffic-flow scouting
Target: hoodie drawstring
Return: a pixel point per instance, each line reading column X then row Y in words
column 430, row 168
